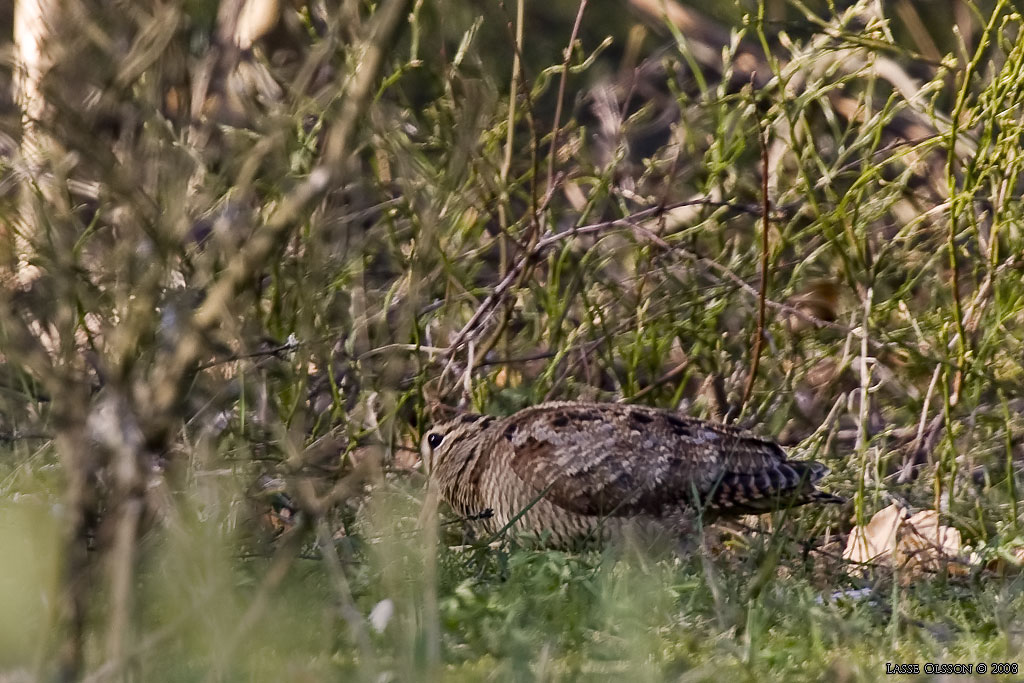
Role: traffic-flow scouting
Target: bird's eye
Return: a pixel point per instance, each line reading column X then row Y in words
column 434, row 440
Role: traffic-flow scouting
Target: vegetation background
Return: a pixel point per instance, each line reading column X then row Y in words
column 251, row 248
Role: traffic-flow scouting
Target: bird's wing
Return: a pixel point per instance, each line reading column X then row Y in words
column 606, row 459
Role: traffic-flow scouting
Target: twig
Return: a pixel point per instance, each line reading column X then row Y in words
column 353, row 617
column 77, row 569
column 667, row 377
column 11, row 437
column 274, row 351
column 755, row 352
column 914, row 456
column 167, row 632
column 963, row 350
column 627, row 221
column 506, row 164
column 122, row 560
column 279, row 566
column 864, row 405
column 561, row 97
column 211, row 76
column 167, row 385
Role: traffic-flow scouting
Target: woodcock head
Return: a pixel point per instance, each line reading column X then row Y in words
column 447, row 440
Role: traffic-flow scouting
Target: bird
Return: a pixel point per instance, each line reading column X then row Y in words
column 567, row 472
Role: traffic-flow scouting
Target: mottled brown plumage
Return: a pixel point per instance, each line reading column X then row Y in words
column 587, row 471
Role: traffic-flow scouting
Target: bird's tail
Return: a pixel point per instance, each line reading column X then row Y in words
column 785, row 484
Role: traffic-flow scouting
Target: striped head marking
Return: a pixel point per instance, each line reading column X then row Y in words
column 442, row 441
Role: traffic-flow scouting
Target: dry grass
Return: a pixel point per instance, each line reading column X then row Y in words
column 238, row 283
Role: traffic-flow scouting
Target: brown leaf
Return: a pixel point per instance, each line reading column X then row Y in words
column 915, row 544
column 875, row 541
column 926, row 545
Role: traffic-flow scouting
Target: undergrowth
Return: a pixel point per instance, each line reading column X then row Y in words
column 226, row 323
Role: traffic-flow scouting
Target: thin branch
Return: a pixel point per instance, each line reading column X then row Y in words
column 628, row 221
column 286, row 553
column 555, row 128
column 963, row 348
column 667, row 377
column 349, row 612
column 755, row 353
column 267, row 240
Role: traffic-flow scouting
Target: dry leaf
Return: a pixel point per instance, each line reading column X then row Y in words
column 575, row 195
column 407, row 454
column 926, row 545
column 875, row 541
column 915, row 544
column 819, row 300
column 381, row 614
column 257, row 18
column 507, row 378
column 1006, row 560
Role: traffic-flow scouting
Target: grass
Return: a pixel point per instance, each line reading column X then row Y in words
column 518, row 614
column 212, row 389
